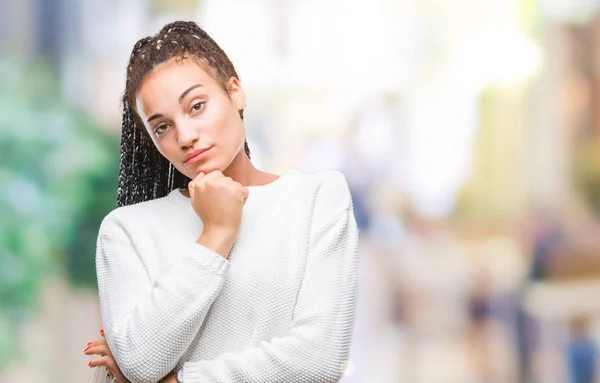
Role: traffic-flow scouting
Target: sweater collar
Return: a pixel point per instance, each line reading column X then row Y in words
column 256, row 192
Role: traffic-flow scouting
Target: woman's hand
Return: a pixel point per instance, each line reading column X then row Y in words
column 100, row 347
column 218, row 201
column 169, row 379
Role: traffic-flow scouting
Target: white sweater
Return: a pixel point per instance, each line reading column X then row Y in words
column 279, row 309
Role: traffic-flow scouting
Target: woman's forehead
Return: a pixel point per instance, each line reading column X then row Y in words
column 169, row 83
column 177, row 71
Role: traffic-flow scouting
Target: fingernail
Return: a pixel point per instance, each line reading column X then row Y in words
column 84, row 351
column 102, row 331
column 90, row 363
column 89, row 343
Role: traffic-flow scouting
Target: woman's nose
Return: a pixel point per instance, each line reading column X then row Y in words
column 187, row 135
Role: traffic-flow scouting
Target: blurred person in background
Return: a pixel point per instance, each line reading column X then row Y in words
column 546, row 237
column 480, row 328
column 211, row 269
column 581, row 353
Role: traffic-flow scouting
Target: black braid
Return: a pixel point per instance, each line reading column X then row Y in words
column 144, row 173
column 126, row 154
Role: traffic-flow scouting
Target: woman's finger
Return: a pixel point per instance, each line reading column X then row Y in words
column 112, row 367
column 110, row 364
column 98, row 342
column 102, row 361
column 106, row 361
column 97, row 350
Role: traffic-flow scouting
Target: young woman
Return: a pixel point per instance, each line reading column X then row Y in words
column 210, row 270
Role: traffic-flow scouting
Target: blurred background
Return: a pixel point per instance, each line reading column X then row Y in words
column 468, row 131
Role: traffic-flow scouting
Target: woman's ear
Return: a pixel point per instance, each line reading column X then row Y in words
column 236, row 93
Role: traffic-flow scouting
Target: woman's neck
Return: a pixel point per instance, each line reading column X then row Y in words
column 242, row 170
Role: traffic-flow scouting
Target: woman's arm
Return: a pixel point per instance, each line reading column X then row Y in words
column 149, row 323
column 317, row 345
column 107, row 360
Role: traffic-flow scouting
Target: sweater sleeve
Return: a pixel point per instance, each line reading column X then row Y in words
column 149, row 322
column 316, row 347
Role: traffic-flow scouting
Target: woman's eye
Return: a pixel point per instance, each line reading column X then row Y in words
column 160, row 129
column 198, row 106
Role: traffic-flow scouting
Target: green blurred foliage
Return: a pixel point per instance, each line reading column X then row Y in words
column 58, row 173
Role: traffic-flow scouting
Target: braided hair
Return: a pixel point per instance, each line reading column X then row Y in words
column 144, row 173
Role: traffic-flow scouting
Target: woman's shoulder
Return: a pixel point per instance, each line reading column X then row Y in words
column 125, row 217
column 325, row 187
column 321, row 178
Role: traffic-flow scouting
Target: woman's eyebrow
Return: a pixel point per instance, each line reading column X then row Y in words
column 185, row 92
column 188, row 90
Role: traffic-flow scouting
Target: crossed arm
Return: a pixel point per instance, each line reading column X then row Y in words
column 314, row 350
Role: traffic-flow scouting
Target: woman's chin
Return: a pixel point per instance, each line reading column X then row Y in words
column 203, row 168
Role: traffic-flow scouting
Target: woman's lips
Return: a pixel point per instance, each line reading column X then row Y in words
column 198, row 155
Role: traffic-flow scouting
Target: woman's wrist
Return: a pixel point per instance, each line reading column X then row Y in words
column 169, row 379
column 219, row 241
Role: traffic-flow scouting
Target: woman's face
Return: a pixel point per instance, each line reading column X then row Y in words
column 186, row 111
